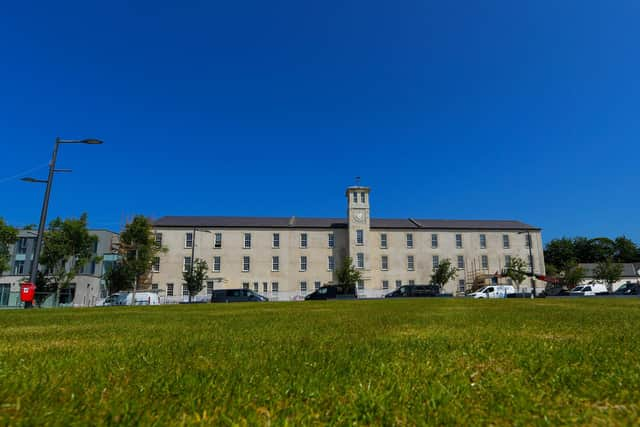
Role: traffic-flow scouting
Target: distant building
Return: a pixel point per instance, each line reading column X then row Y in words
column 286, row 258
column 87, row 287
column 630, row 274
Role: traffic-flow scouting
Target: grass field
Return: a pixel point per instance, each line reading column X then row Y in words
column 434, row 361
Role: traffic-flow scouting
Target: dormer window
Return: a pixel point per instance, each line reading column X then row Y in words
column 355, row 197
column 363, row 197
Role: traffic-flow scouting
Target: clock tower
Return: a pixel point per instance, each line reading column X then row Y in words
column 358, row 215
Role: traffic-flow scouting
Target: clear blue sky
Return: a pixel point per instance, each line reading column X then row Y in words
column 494, row 109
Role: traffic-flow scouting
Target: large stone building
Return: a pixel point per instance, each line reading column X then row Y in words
column 286, row 258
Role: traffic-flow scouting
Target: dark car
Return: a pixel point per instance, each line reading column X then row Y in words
column 414, row 291
column 236, row 295
column 628, row 289
column 333, row 292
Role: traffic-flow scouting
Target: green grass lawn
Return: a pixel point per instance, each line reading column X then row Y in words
column 433, row 361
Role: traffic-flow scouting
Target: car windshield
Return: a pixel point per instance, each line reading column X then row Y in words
column 122, row 299
column 577, row 289
column 481, row 290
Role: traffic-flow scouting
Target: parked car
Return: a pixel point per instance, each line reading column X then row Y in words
column 493, row 291
column 628, row 289
column 408, row 291
column 125, row 298
column 589, row 290
column 236, row 295
column 109, row 301
column 333, row 292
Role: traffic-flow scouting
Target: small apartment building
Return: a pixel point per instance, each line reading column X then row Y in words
column 289, row 257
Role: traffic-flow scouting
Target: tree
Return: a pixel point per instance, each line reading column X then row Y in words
column 560, row 253
column 602, row 248
column 138, row 248
column 516, row 271
column 119, row 278
column 608, row 271
column 8, row 236
column 573, row 275
column 195, row 277
column 45, row 287
column 625, row 250
column 443, row 273
column 347, row 273
column 68, row 246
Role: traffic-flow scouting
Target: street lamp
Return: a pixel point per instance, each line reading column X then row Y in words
column 45, row 203
column 533, row 278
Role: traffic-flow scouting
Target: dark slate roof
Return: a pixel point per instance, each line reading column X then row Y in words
column 295, row 222
column 628, row 270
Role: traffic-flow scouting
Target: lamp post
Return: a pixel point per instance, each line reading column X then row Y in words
column 45, row 203
column 530, row 244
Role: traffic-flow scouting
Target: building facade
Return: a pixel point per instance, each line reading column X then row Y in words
column 287, row 258
column 88, row 286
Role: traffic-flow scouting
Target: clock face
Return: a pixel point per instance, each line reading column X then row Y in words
column 358, row 217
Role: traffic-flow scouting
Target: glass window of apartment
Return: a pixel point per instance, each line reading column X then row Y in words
column 359, row 260
column 275, row 263
column 461, row 286
column 385, row 284
column 485, row 261
column 155, row 267
column 460, row 262
column 483, row 241
column 217, row 241
column 398, row 283
column 303, row 263
column 245, row 285
column 303, row 287
column 210, row 287
column 188, row 240
column 185, row 290
column 434, row 241
column 158, row 239
column 355, row 197
column 247, row 240
column 331, row 240
column 276, row 240
column 410, row 263
column 384, row 262
column 360, row 285
column 317, row 285
column 22, row 245
column 409, row 240
column 383, row 240
column 435, row 260
column 363, row 197
column 359, row 237
column 331, row 263
column 246, row 263
column 303, row 240
column 169, row 289
column 18, row 267
column 186, row 264
column 154, row 286
column 256, row 287
column 216, row 264
column 507, row 260
column 459, row 241
column 274, row 287
column 505, row 241
column 412, row 282
column 265, row 287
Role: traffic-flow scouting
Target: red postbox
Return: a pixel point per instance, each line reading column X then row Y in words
column 27, row 292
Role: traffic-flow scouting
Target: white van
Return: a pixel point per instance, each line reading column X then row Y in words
column 124, row 298
column 589, row 290
column 493, row 291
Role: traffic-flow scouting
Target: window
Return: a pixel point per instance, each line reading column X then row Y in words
column 360, row 285
column 398, row 283
column 274, row 287
column 188, row 240
column 216, row 264
column 434, row 241
column 363, row 198
column 461, row 286
column 383, row 240
column 384, row 262
column 527, row 242
column 317, row 285
column 505, row 241
column 385, row 284
column 158, row 239
column 276, row 240
column 331, row 240
column 483, row 241
column 247, row 240
column 412, row 282
column 359, row 260
column 435, row 260
column 246, row 263
column 303, row 287
column 22, row 245
column 217, row 241
column 485, row 261
column 275, row 263
column 210, row 287
column 155, row 267
column 507, row 260
column 355, row 197
column 303, row 263
column 359, row 237
column 409, row 240
column 331, row 263
column 410, row 263
column 303, row 240
column 256, row 287
column 265, row 287
column 460, row 262
column 169, row 289
column 154, row 287
column 186, row 264
column 18, row 267
column 459, row 241
column 185, row 290
column 245, row 285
